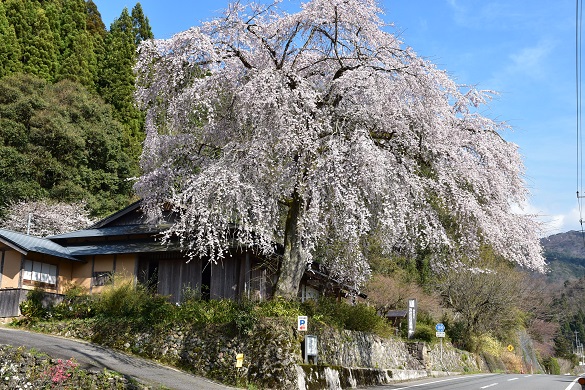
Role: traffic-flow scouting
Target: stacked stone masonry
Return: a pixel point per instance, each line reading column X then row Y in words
column 273, row 354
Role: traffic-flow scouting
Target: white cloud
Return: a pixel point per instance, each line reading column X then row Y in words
column 560, row 223
column 551, row 223
column 530, row 64
column 481, row 15
column 531, row 61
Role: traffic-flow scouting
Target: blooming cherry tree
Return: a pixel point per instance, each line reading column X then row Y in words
column 44, row 218
column 316, row 129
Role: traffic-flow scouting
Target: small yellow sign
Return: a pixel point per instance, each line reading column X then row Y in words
column 239, row 360
column 510, row 347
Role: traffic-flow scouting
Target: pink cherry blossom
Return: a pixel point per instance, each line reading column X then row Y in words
column 316, row 130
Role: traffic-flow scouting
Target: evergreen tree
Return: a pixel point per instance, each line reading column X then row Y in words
column 77, row 59
column 42, row 49
column 97, row 33
column 9, row 47
column 94, row 22
column 141, row 25
column 39, row 53
column 116, row 81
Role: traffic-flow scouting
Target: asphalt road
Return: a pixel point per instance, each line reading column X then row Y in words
column 490, row 382
column 91, row 356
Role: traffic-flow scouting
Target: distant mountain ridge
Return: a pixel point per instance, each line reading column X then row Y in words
column 565, row 254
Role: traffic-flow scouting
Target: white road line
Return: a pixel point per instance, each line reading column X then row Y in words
column 572, row 383
column 443, row 380
column 485, row 387
column 512, row 379
column 527, row 376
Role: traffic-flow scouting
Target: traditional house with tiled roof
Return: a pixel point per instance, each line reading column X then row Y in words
column 127, row 245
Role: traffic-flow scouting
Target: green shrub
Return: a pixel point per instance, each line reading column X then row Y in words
column 156, row 311
column 279, row 307
column 552, row 366
column 32, row 307
column 456, row 331
column 424, row 332
column 133, row 307
column 124, row 299
column 134, row 302
column 364, row 318
column 220, row 311
column 245, row 317
column 331, row 312
column 195, row 311
column 76, row 303
column 342, row 315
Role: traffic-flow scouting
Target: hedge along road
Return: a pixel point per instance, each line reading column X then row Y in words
column 93, row 357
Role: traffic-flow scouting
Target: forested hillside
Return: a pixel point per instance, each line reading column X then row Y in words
column 565, row 254
column 69, row 129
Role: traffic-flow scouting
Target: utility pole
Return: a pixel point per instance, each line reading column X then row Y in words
column 28, row 224
column 579, row 349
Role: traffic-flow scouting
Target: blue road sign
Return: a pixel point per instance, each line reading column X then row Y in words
column 440, row 327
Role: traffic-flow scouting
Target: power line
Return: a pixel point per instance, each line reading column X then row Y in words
column 578, row 19
column 579, row 116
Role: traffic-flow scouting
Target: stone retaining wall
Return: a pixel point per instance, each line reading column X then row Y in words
column 273, row 355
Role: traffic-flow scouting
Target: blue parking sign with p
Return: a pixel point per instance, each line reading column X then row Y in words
column 302, row 323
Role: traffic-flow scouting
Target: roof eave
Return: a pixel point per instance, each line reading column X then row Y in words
column 116, row 215
column 13, row 246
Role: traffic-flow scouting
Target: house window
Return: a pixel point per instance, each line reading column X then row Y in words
column 37, row 273
column 101, row 278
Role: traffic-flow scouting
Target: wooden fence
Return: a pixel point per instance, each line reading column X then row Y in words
column 10, row 299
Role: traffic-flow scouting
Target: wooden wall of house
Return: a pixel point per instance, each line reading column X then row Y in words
column 86, row 274
column 11, row 263
column 225, row 278
column 10, row 299
column 242, row 276
column 260, row 284
column 64, row 277
column 233, row 277
column 176, row 275
column 169, row 273
column 126, row 264
column 81, row 274
column 11, row 269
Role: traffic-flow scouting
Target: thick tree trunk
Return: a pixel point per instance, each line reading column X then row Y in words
column 292, row 266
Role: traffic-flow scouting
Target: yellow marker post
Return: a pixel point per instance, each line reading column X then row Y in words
column 239, row 360
column 510, row 348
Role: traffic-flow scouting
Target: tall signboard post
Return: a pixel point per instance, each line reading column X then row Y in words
column 310, row 345
column 411, row 317
column 440, row 328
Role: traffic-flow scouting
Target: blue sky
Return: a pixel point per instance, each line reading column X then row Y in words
column 523, row 49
